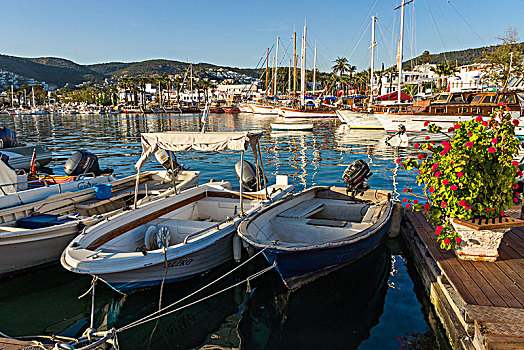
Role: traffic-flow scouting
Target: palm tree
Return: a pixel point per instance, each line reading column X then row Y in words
column 351, row 69
column 445, row 70
column 341, row 66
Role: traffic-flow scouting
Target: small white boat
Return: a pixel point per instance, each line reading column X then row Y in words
column 358, row 120
column 36, row 233
column 293, row 113
column 292, row 126
column 176, row 237
column 263, row 109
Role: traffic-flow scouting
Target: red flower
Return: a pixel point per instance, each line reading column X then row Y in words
column 467, row 207
column 460, row 174
column 470, row 134
column 488, row 210
column 438, row 173
column 443, row 204
column 520, row 173
column 485, row 123
column 445, row 182
column 515, row 186
column 408, row 205
column 426, row 138
column 417, row 145
column 443, row 153
column 458, row 239
column 453, row 188
column 491, row 150
column 426, row 123
column 435, row 166
column 501, row 104
column 415, row 201
column 479, row 118
column 469, row 144
column 398, row 160
column 405, row 190
column 426, row 206
column 431, row 190
column 420, row 156
column 502, row 213
column 404, row 200
column 447, row 241
column 450, row 129
column 494, row 140
column 515, row 122
column 515, row 163
column 456, row 126
column 462, row 202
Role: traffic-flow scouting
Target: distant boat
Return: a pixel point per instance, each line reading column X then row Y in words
column 316, row 113
column 358, row 119
column 231, row 109
column 263, row 109
column 292, row 126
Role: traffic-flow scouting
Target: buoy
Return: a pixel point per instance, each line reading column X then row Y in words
column 396, row 220
column 237, row 248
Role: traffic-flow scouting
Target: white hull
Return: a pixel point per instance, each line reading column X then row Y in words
column 358, row 120
column 201, row 238
column 264, row 110
column 290, row 113
column 415, row 122
column 245, row 109
column 23, row 248
column 292, row 126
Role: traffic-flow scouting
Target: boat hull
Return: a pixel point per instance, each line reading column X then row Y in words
column 292, row 126
column 264, row 110
column 358, row 120
column 291, row 113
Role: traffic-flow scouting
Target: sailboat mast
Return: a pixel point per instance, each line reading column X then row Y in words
column 289, row 79
column 267, row 68
column 276, row 70
column 273, row 78
column 373, row 44
column 191, row 83
column 294, row 64
column 400, row 49
column 315, row 70
column 303, row 68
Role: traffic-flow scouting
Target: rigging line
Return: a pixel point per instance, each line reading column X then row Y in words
column 197, row 291
column 378, row 19
column 470, row 27
column 437, row 30
column 385, row 43
column 449, row 25
column 359, row 40
column 322, row 42
column 360, row 27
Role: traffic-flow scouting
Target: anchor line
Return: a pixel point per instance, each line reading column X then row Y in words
column 145, row 318
column 157, row 316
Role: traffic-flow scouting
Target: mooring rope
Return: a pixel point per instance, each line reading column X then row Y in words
column 149, row 317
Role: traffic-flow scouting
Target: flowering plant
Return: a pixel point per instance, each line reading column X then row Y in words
column 471, row 175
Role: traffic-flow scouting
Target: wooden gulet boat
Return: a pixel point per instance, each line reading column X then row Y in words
column 36, row 233
column 179, row 236
column 318, row 230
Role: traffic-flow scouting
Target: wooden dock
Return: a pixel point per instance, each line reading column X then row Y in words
column 480, row 304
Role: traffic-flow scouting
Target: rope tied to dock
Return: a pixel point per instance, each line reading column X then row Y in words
column 158, row 314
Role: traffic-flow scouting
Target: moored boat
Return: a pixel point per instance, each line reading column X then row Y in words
column 318, row 230
column 358, row 119
column 316, row 113
column 176, row 237
column 292, row 126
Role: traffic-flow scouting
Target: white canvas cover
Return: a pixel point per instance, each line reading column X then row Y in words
column 185, row 141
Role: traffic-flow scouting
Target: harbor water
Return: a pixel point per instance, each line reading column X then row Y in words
column 371, row 304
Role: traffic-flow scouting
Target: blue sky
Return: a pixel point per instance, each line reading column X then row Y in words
column 237, row 32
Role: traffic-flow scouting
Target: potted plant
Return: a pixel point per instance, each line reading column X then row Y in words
column 473, row 175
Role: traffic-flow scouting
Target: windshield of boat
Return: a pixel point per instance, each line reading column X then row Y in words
column 489, row 99
column 477, row 99
column 442, row 98
column 508, row 99
column 456, row 98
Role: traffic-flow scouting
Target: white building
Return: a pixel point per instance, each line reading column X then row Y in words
column 420, row 74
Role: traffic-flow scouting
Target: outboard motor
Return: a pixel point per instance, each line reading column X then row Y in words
column 84, row 162
column 355, row 176
column 249, row 176
column 163, row 157
column 7, row 138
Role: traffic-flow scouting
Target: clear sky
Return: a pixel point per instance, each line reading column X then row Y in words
column 237, row 32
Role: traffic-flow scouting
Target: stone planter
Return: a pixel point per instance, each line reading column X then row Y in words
column 478, row 245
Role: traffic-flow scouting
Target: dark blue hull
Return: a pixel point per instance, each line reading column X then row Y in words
column 299, row 267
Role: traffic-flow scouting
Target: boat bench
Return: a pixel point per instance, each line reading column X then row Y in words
column 179, row 228
column 303, row 209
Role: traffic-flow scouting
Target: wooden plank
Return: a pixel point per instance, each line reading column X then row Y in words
column 143, row 220
column 491, row 223
column 326, row 222
column 461, row 285
column 517, row 241
column 494, row 299
column 507, row 254
column 501, row 283
column 513, row 285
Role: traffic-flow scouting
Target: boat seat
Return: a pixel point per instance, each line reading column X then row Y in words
column 303, row 209
column 371, row 214
column 179, row 228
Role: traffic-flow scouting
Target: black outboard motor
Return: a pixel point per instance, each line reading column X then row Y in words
column 163, row 157
column 355, row 175
column 84, row 162
column 7, row 138
column 249, row 176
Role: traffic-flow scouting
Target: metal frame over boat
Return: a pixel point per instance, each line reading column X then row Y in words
column 176, row 237
column 318, row 230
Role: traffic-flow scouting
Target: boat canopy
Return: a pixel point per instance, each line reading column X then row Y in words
column 185, row 141
column 393, row 97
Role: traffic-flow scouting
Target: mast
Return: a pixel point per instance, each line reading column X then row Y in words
column 191, row 83
column 289, row 79
column 294, row 64
column 400, row 48
column 315, row 70
column 273, row 92
column 276, row 70
column 267, row 68
column 373, row 44
column 303, row 68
